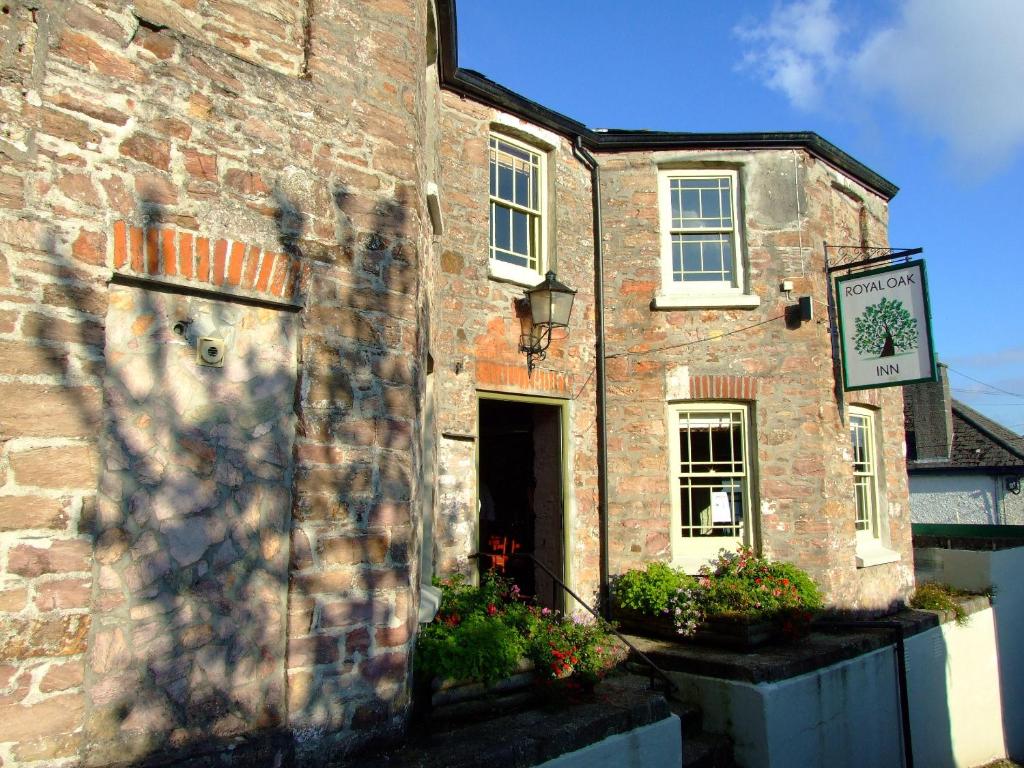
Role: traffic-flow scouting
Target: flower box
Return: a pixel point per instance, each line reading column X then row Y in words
column 736, row 634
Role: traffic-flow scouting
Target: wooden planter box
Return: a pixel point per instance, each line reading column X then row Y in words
column 444, row 700
column 735, row 634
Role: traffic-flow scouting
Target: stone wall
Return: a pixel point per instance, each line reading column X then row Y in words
column 476, row 331
column 763, row 356
column 191, row 555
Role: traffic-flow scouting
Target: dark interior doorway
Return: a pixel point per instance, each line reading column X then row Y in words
column 520, row 492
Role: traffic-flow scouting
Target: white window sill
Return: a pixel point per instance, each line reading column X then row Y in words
column 510, row 273
column 706, row 301
column 869, row 555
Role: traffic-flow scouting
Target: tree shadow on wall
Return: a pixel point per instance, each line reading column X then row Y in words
column 252, row 528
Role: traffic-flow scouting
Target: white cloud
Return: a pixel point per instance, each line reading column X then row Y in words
column 794, row 48
column 954, row 68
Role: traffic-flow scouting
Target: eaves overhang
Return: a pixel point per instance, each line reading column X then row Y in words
column 475, row 86
column 946, row 468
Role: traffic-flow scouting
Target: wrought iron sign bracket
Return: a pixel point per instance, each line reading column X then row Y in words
column 858, row 256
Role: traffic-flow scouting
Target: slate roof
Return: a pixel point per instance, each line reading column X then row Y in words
column 978, row 444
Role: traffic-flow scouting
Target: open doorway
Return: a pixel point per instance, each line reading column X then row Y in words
column 520, row 492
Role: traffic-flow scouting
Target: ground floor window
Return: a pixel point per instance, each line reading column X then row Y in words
column 865, row 471
column 711, row 479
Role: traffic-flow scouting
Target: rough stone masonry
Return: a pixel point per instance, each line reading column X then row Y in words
column 190, row 554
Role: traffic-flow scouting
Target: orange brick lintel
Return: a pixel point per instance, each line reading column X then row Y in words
column 723, row 387
column 489, row 374
column 187, row 257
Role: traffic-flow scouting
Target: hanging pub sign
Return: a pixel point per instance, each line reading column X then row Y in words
column 884, row 327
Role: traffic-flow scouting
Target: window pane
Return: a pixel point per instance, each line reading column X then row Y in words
column 710, row 209
column 505, row 182
column 713, row 257
column 707, row 258
column 523, row 188
column 691, row 204
column 494, row 178
column 691, row 257
column 701, row 203
column 501, row 217
column 520, row 233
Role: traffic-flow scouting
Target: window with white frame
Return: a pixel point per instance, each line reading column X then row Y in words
column 865, row 471
column 516, row 210
column 711, row 475
column 701, row 243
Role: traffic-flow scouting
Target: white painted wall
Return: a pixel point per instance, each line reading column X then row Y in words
column 844, row 716
column 942, row 498
column 657, row 744
column 847, row 715
column 953, row 683
column 964, row 498
column 1002, row 570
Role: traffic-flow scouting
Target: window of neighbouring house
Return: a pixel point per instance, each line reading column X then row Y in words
column 711, row 475
column 701, row 243
column 516, row 211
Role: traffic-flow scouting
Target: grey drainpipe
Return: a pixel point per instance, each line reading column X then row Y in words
column 590, row 162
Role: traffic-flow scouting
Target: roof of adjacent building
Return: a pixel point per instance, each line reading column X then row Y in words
column 478, row 87
column 979, row 444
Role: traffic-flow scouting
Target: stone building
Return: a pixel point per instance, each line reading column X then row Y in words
column 259, row 271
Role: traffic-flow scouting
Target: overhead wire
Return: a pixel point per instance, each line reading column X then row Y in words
column 985, row 383
column 702, row 340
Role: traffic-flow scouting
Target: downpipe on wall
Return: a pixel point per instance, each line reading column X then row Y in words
column 896, row 631
column 590, row 162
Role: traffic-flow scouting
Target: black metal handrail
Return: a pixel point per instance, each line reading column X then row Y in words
column 655, row 670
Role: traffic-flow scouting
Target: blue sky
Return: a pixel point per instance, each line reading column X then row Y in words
column 928, row 93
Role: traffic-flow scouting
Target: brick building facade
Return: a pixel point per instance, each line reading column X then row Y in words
column 204, row 553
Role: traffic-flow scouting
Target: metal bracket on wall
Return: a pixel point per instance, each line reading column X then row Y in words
column 859, row 256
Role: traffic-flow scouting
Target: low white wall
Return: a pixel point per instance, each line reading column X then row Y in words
column 1001, row 569
column 656, row 744
column 956, row 716
column 847, row 715
column 843, row 716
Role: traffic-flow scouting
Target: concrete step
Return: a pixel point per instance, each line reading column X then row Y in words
column 706, row 750
column 690, row 717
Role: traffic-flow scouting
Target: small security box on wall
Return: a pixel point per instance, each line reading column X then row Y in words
column 210, row 352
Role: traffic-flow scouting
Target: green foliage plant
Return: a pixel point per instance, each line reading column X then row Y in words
column 483, row 633
column 739, row 586
column 651, row 590
column 474, row 635
column 941, row 597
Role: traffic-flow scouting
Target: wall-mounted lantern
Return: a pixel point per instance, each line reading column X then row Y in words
column 1013, row 485
column 546, row 306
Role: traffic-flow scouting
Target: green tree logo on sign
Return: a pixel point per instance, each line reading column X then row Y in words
column 885, row 328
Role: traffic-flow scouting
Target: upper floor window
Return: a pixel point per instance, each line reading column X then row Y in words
column 701, row 239
column 517, row 211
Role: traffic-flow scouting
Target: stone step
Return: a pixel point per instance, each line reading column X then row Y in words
column 691, row 719
column 706, row 750
column 526, row 738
